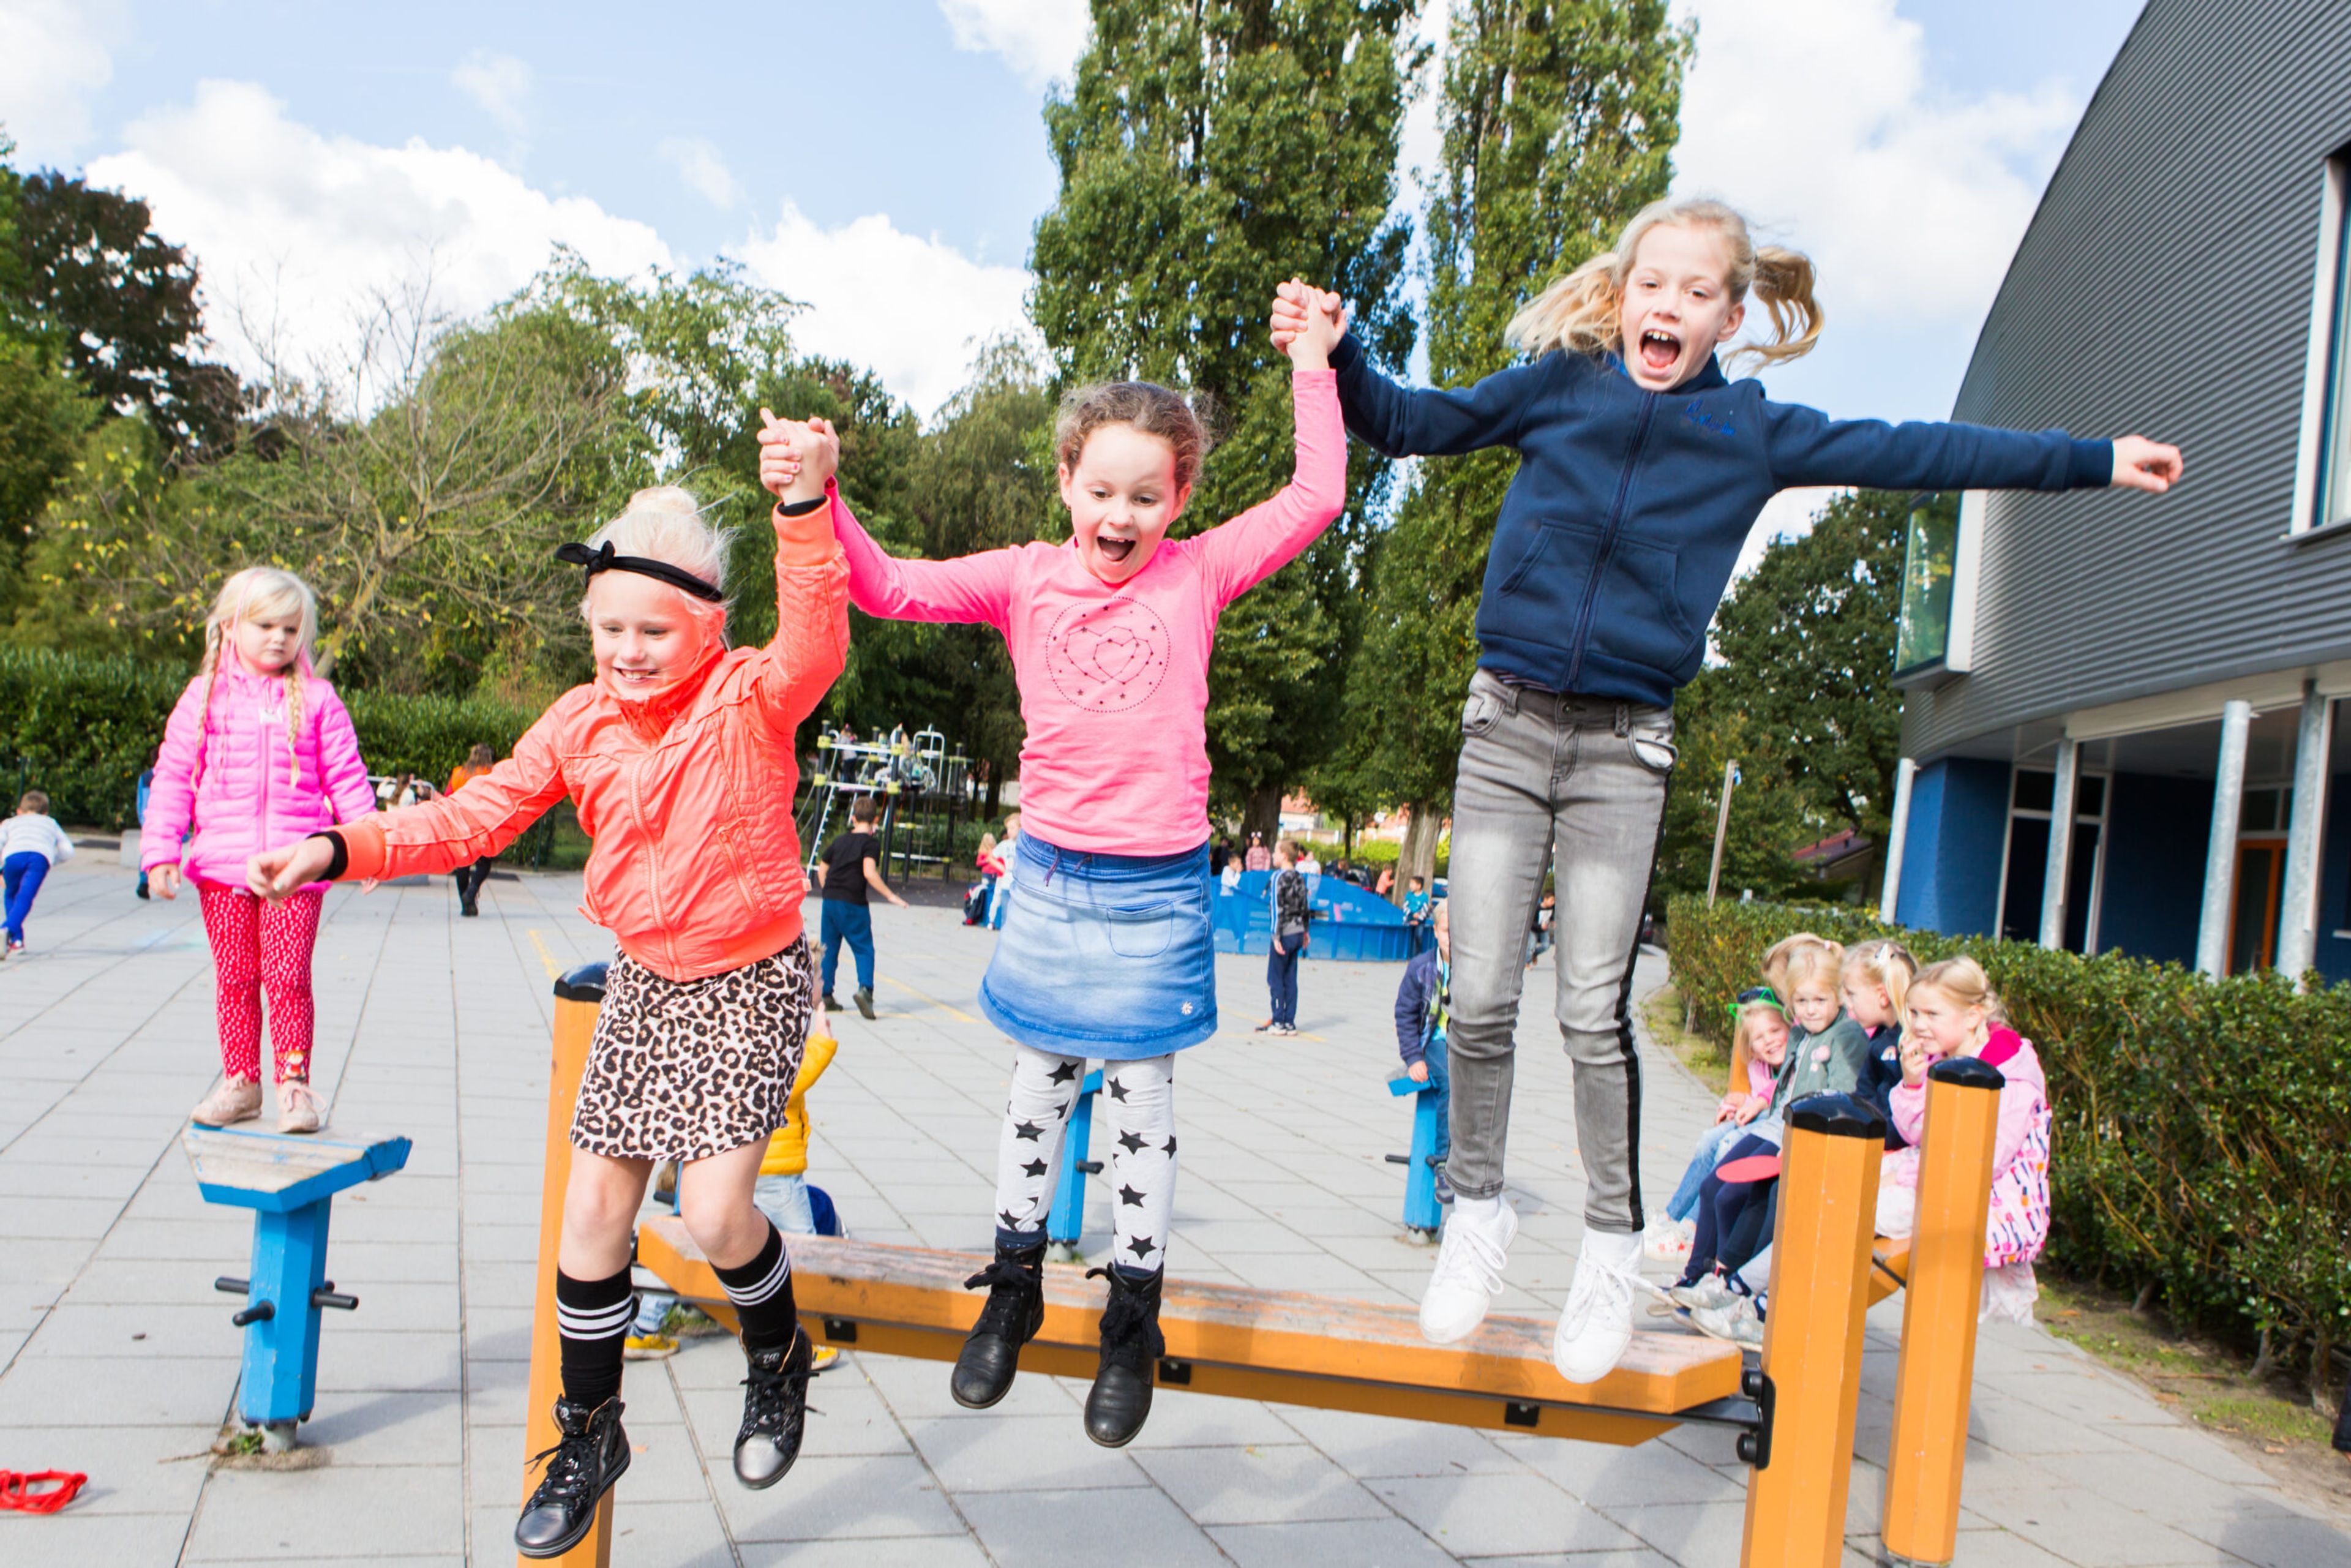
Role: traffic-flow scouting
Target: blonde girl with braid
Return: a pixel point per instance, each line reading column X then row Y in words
column 258, row 750
column 1642, row 468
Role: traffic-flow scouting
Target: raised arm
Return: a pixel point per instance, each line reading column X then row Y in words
column 803, row 659
column 974, row 588
column 1405, row 422
column 1239, row 554
column 1807, row 448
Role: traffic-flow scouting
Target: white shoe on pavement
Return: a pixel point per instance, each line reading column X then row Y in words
column 1597, row 1324
column 1470, row 1262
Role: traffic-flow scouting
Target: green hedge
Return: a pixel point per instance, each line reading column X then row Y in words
column 2202, row 1129
column 81, row 728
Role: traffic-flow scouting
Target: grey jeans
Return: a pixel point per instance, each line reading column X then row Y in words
column 1585, row 776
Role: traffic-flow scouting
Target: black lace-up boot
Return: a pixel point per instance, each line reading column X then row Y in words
column 1014, row 1312
column 1131, row 1348
column 590, row 1453
column 775, row 1412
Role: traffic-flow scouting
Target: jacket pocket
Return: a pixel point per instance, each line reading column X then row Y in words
column 752, row 888
column 1637, row 616
column 1544, row 590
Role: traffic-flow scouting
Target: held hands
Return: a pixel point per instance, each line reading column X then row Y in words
column 2144, row 465
column 1308, row 323
column 797, row 457
column 274, row 873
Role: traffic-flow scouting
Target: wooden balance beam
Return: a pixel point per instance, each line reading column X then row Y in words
column 1232, row 1341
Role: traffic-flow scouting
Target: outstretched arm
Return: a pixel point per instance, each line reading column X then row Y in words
column 1807, row 448
column 1405, row 422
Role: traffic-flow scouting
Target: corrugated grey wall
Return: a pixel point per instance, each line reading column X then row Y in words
column 2164, row 287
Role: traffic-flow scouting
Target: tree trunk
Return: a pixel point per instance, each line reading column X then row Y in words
column 1417, row 858
column 994, row 815
column 1263, row 814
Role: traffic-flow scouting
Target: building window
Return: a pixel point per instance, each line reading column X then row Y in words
column 2026, row 873
column 1935, row 639
column 2327, row 400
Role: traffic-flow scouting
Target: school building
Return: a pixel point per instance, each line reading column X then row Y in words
column 2120, row 711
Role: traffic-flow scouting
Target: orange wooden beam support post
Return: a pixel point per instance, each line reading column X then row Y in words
column 578, row 996
column 1811, row 1382
column 1938, row 1315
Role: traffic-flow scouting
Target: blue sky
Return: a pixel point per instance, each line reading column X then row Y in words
column 884, row 160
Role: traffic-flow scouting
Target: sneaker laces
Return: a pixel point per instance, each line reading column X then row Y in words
column 1467, row 1256
column 570, row 1471
column 1009, row 1283
column 1595, row 1282
column 769, row 1406
column 296, row 1092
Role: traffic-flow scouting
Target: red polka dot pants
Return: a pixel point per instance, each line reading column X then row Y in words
column 256, row 945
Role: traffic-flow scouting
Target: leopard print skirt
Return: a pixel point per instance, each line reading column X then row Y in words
column 683, row 1070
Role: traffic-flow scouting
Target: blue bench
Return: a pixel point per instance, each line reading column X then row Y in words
column 289, row 1182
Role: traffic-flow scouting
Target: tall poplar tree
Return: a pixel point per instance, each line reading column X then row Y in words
column 1559, row 121
column 1209, row 150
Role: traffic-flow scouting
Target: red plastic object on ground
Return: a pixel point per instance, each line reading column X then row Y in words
column 16, row 1489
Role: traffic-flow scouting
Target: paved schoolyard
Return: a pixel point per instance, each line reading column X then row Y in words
column 117, row 1358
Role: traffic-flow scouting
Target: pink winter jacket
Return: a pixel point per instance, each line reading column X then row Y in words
column 235, row 777
column 2019, row 1223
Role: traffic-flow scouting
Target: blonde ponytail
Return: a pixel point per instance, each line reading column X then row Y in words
column 1581, row 310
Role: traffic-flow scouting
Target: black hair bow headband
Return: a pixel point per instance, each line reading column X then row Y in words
column 604, row 559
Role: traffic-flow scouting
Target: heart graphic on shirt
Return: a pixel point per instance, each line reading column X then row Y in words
column 1111, row 656
column 1108, row 658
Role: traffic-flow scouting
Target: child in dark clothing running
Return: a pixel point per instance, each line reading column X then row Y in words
column 846, row 874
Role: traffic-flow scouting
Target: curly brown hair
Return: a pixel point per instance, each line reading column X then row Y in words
column 1144, row 406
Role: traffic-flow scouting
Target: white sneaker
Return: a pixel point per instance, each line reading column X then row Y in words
column 1469, row 1275
column 1713, row 1290
column 1598, row 1323
column 1739, row 1322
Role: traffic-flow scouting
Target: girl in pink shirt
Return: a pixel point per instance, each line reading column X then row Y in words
column 1107, row 950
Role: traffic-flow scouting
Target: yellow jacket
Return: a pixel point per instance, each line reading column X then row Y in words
column 788, row 1146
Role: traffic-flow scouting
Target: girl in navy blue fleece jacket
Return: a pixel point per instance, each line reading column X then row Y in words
column 1642, row 467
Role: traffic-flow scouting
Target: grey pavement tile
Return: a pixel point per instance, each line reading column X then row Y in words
column 82, row 1391
column 2095, row 1531
column 919, row 1388
column 2163, row 1488
column 1640, row 1557
column 2201, row 1452
column 304, row 1516
column 1375, row 1446
column 73, row 1328
column 2274, row 1538
column 388, row 1428
column 385, row 1360
column 1020, row 1453
column 1075, row 1527
column 1359, row 1543
column 28, row 1179
column 131, row 1470
column 1181, row 1419
column 1494, row 1515
column 957, row 1551
column 1605, row 1476
column 649, row 1532
column 77, row 1537
column 833, row 1498
column 845, row 1420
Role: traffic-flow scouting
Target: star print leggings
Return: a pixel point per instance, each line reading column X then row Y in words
column 1138, row 1104
column 257, row 945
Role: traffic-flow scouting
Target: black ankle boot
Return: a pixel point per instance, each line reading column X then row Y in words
column 1014, row 1312
column 775, row 1412
column 1131, row 1348
column 590, row 1453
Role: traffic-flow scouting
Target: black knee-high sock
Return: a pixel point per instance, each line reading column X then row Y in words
column 761, row 1291
column 592, row 1316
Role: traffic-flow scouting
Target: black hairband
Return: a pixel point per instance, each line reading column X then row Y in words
column 604, row 559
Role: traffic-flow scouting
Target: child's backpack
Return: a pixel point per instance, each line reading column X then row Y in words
column 975, row 903
column 820, row 1209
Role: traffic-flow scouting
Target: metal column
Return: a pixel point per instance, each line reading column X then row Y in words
column 2061, row 844
column 2298, row 912
column 1897, row 839
column 2220, row 858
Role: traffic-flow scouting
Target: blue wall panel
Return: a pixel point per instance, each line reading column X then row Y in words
column 2333, row 958
column 2158, row 831
column 1950, row 864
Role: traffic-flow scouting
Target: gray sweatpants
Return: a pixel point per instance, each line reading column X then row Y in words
column 1585, row 776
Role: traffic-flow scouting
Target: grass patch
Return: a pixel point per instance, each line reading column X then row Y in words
column 1663, row 1012
column 2210, row 1383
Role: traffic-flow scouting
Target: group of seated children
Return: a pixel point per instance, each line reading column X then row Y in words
column 1867, row 1022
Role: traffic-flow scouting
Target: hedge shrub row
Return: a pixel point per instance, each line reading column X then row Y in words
column 2202, row 1128
column 82, row 728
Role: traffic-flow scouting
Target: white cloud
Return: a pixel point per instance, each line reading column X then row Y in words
column 54, row 55
column 704, row 169
column 1816, row 118
column 294, row 230
column 1788, row 515
column 911, row 310
column 1040, row 39
column 499, row 85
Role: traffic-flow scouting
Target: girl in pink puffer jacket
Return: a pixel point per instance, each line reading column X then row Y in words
column 258, row 751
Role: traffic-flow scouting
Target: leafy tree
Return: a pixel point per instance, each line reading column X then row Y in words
column 1805, row 642
column 117, row 304
column 42, row 417
column 1209, row 150
column 1769, row 818
column 1559, row 122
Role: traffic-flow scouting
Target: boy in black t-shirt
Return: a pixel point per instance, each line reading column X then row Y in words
column 845, row 874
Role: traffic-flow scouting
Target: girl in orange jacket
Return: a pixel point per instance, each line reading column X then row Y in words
column 679, row 756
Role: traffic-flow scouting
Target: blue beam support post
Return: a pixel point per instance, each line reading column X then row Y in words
column 281, row 1350
column 1067, row 1221
column 1421, row 1211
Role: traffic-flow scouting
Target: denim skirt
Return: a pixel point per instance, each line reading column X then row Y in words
column 1104, row 955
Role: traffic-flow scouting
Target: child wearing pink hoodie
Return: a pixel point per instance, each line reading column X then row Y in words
column 258, row 751
column 1953, row 1012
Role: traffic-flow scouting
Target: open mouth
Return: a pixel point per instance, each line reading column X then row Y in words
column 1113, row 549
column 635, row 677
column 1660, row 352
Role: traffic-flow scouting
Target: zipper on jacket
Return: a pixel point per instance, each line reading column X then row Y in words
column 1608, row 540
column 652, row 855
